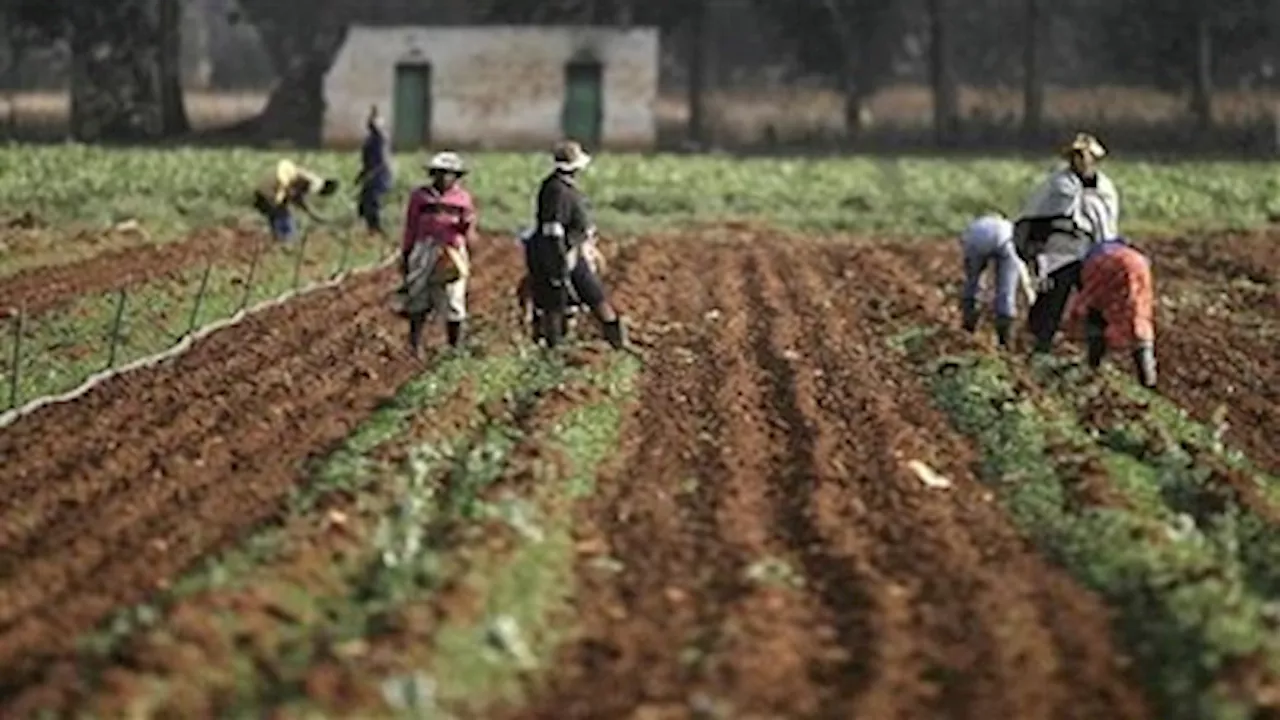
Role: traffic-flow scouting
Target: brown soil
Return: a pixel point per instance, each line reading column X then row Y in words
column 779, row 557
column 106, row 499
column 40, row 288
column 777, row 426
column 1219, row 359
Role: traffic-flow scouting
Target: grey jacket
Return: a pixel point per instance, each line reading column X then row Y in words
column 1064, row 217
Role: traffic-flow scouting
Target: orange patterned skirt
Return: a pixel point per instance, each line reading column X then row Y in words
column 1117, row 284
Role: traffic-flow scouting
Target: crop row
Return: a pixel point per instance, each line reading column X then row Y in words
column 57, row 349
column 173, row 191
column 1140, row 503
column 443, row 521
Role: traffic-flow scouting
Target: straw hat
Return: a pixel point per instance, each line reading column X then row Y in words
column 1084, row 143
column 568, row 156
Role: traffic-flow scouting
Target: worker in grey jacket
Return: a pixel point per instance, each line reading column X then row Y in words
column 987, row 242
column 1074, row 208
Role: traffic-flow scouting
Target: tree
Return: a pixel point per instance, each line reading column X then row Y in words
column 853, row 41
column 699, row 56
column 946, row 95
column 120, row 90
column 1184, row 50
column 302, row 47
column 1033, row 71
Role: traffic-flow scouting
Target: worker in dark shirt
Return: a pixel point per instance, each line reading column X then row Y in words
column 374, row 180
column 558, row 271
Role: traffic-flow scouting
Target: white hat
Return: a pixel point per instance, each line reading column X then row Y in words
column 447, row 162
column 568, row 156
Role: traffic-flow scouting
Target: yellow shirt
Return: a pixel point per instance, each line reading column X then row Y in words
column 276, row 185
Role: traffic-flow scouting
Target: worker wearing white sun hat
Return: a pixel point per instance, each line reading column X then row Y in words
column 440, row 223
column 559, row 249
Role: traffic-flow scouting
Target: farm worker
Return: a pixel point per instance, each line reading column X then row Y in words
column 987, row 242
column 374, row 180
column 1074, row 208
column 1116, row 304
column 285, row 187
column 439, row 226
column 557, row 252
column 524, row 291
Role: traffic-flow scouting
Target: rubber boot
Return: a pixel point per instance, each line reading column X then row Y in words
column 454, row 332
column 1095, row 348
column 970, row 314
column 616, row 333
column 416, row 323
column 1095, row 339
column 553, row 328
column 1144, row 360
column 1004, row 331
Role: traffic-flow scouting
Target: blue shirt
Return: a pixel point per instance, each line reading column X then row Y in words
column 1105, row 247
column 374, row 160
column 987, row 234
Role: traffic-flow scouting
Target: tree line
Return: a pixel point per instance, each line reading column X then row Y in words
column 126, row 79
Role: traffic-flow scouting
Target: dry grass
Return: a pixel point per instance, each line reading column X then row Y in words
column 749, row 117
column 48, row 112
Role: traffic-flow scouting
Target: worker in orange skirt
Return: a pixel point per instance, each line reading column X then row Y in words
column 1116, row 305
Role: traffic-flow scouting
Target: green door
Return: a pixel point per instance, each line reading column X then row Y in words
column 411, row 108
column 583, row 115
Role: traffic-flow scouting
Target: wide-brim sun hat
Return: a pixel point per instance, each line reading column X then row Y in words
column 568, row 156
column 1084, row 143
column 446, row 161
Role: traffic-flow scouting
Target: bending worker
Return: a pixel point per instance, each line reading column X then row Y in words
column 285, row 187
column 554, row 254
column 1116, row 304
column 988, row 242
column 1074, row 208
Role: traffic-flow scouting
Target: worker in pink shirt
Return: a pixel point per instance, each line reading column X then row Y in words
column 439, row 225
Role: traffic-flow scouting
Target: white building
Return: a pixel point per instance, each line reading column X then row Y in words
column 496, row 87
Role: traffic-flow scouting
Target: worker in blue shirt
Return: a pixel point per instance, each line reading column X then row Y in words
column 374, row 180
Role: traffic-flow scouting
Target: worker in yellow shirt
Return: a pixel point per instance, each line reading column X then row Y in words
column 285, row 187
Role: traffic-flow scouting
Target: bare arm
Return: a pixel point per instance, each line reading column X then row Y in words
column 1024, row 280
column 302, row 204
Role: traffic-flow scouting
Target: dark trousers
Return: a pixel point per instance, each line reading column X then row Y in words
column 369, row 206
column 1095, row 337
column 1045, row 316
column 554, row 286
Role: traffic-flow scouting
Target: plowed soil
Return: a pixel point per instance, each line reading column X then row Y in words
column 105, row 499
column 1217, row 328
column 43, row 287
column 779, row 556
column 781, row 560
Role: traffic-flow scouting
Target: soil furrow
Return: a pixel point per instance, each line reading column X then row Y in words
column 41, row 288
column 332, row 357
column 66, row 496
column 875, row 596
column 682, row 626
column 998, row 648
column 838, row 576
column 633, row 629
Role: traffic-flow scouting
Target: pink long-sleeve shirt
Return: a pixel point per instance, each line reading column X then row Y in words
column 443, row 218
